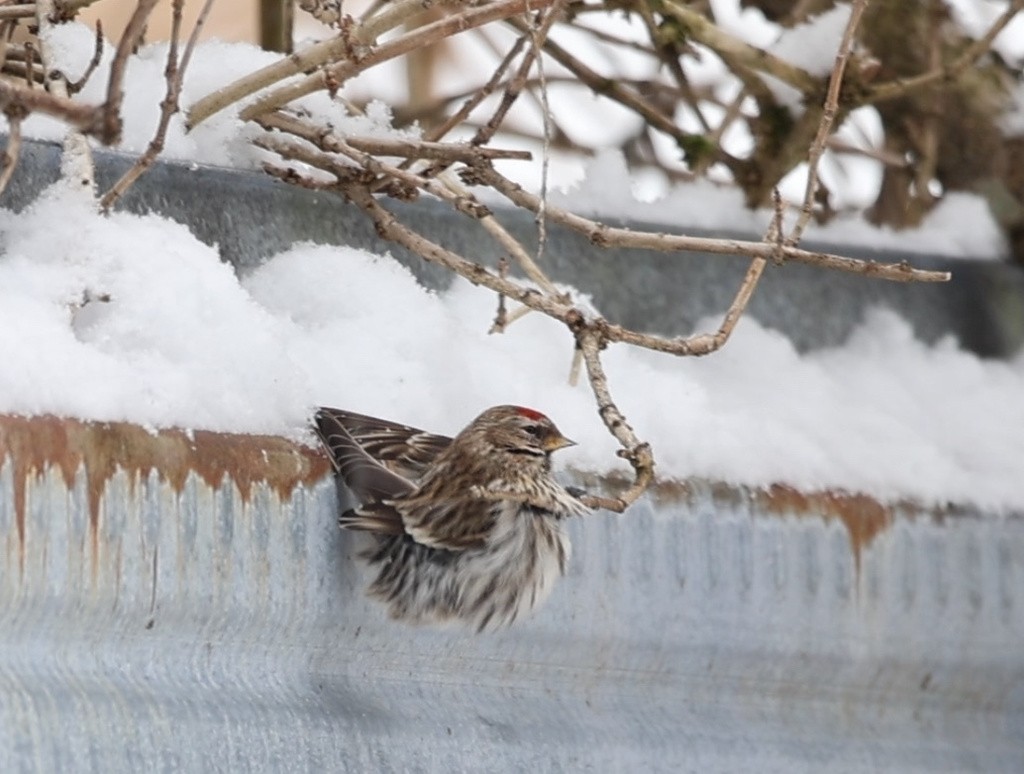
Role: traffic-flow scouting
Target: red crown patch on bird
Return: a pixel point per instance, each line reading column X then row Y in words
column 529, row 413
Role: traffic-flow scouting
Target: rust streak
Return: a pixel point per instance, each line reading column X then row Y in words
column 36, row 444
column 863, row 517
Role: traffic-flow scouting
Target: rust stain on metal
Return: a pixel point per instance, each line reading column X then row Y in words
column 863, row 516
column 35, row 444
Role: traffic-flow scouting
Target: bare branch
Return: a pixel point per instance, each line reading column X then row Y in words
column 605, row 235
column 332, row 77
column 447, row 190
column 111, row 129
column 97, row 56
column 478, row 95
column 348, row 44
column 422, row 149
column 755, row 59
column 25, row 11
column 174, row 73
column 827, row 118
column 638, row 453
column 612, row 88
column 353, row 167
column 953, row 70
column 12, row 152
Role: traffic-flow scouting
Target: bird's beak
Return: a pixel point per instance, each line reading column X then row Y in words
column 556, row 442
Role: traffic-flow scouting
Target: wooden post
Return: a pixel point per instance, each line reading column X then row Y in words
column 276, row 19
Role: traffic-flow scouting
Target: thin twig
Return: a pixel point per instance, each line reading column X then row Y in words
column 501, row 315
column 317, row 57
column 174, row 74
column 612, row 88
column 926, row 136
column 901, row 86
column 112, row 122
column 888, row 158
column 31, row 73
column 447, row 190
column 827, row 118
column 478, row 95
column 604, row 235
column 538, row 34
column 12, row 152
column 423, row 149
column 637, row 453
column 97, row 56
column 703, row 30
column 333, row 76
column 6, row 32
column 668, row 55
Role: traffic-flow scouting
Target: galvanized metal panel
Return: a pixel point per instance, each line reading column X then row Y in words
column 161, row 610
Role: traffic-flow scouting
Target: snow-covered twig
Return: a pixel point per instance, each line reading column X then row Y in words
column 77, row 159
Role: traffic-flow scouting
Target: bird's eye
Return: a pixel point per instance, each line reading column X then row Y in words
column 535, row 430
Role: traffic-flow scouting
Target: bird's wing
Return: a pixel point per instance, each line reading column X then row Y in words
column 367, row 478
column 391, row 504
column 405, row 450
column 454, row 524
column 376, row 517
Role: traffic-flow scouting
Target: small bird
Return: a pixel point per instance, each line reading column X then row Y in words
column 464, row 529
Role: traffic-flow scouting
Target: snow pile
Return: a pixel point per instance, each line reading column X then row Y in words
column 132, row 318
column 812, row 45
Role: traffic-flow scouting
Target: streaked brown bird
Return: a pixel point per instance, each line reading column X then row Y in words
column 466, row 528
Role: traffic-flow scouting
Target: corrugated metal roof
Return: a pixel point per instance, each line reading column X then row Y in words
column 175, row 602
